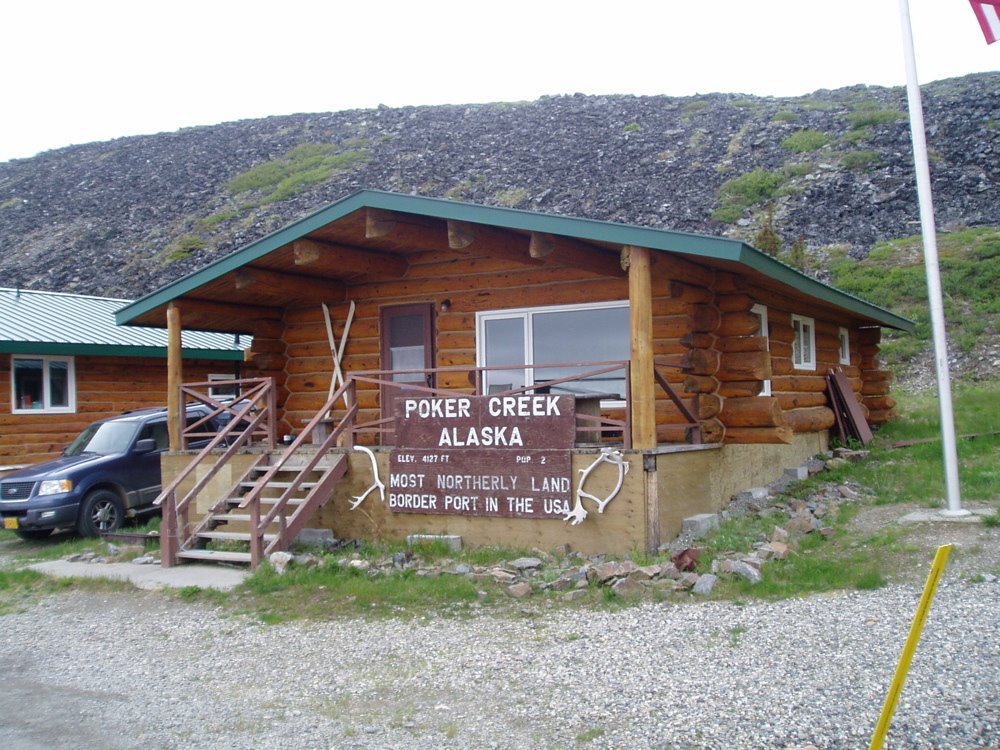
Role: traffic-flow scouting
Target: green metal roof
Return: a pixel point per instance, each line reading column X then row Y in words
column 695, row 246
column 33, row 322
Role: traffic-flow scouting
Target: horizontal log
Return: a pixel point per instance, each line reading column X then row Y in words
column 801, row 400
column 698, row 340
column 887, row 375
column 753, row 411
column 740, row 388
column 690, row 293
column 670, row 326
column 868, row 335
column 869, row 350
column 778, row 331
column 744, row 366
column 879, row 403
column 780, row 349
column 759, row 435
column 728, row 283
column 266, row 362
column 742, row 344
column 740, row 302
column 738, row 324
column 810, row 419
column 700, row 384
column 670, row 306
column 676, row 267
column 796, row 383
column 672, row 433
column 875, row 387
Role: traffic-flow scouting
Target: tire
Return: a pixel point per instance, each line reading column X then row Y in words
column 101, row 511
column 33, row 535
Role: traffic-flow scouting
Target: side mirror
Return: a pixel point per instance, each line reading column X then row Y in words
column 146, row 445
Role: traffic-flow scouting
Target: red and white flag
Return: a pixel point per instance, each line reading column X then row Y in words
column 988, row 13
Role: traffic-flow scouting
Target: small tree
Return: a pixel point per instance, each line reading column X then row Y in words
column 767, row 238
column 797, row 255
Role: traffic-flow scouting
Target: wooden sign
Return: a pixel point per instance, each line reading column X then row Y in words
column 505, row 456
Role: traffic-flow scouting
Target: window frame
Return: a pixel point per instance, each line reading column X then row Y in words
column 844, row 335
column 524, row 314
column 46, row 407
column 798, row 360
column 761, row 312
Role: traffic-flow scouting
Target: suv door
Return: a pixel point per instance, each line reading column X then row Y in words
column 145, row 467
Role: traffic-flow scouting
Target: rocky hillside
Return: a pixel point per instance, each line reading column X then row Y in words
column 123, row 217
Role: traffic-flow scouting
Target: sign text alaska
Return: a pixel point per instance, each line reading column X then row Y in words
column 483, row 456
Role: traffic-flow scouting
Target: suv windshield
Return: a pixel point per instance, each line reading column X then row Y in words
column 104, row 439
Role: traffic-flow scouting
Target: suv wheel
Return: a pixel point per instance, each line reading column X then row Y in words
column 101, row 511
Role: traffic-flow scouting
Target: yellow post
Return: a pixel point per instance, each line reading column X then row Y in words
column 892, row 699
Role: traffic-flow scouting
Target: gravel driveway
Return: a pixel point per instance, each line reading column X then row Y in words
column 142, row 670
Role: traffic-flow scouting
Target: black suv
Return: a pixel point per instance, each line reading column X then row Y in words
column 110, row 472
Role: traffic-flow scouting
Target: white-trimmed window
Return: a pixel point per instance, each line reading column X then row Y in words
column 845, row 346
column 560, row 334
column 222, row 391
column 45, row 385
column 804, row 343
column 761, row 312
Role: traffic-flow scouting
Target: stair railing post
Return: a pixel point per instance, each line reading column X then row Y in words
column 168, row 531
column 256, row 541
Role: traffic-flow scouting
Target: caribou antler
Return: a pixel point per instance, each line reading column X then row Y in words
column 358, row 499
column 607, row 455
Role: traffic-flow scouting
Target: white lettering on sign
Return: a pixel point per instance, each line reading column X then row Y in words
column 524, row 406
column 412, row 501
column 440, row 408
column 488, row 436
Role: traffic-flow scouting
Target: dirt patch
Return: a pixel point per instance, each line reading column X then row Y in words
column 976, row 550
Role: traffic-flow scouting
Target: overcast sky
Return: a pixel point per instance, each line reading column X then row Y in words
column 90, row 70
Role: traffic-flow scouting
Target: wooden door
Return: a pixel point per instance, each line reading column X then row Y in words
column 407, row 343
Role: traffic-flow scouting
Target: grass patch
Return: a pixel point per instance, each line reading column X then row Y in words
column 864, row 117
column 804, row 141
column 859, row 161
column 741, row 192
column 302, row 166
column 512, row 197
column 182, row 248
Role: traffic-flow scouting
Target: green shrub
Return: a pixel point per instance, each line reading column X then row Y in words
column 805, row 140
column 859, row 161
column 632, row 127
column 786, row 116
column 865, row 117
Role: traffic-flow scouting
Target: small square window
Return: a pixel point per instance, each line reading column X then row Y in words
column 845, row 346
column 42, row 385
column 804, row 343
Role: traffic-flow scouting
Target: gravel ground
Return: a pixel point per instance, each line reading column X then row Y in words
column 142, row 670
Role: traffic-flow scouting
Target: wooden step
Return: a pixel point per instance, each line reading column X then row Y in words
column 232, row 536
column 267, row 500
column 214, row 555
column 279, row 485
column 236, row 517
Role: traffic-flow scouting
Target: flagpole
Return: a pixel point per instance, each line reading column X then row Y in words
column 917, row 134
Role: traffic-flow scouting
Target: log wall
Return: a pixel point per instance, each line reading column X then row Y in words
column 105, row 387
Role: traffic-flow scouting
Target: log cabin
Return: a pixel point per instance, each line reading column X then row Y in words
column 64, row 364
column 504, row 376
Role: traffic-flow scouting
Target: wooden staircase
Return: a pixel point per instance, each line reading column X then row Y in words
column 265, row 510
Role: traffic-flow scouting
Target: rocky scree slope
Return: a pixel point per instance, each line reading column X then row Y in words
column 124, row 217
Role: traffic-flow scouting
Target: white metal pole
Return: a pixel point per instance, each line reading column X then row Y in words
column 927, row 228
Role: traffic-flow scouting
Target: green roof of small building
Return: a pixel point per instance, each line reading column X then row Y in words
column 33, row 322
column 696, row 247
